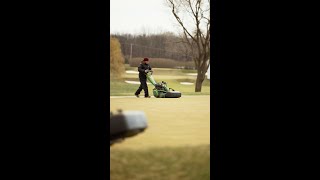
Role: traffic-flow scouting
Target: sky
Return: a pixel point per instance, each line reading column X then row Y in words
column 141, row 16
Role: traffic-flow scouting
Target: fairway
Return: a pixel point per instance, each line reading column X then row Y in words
column 172, row 122
column 175, row 78
column 176, row 144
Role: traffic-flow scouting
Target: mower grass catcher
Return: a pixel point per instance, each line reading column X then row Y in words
column 161, row 90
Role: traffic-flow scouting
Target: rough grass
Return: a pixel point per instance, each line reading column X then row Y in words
column 179, row 163
column 175, row 146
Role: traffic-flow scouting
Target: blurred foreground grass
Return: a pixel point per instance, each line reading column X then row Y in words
column 165, row 163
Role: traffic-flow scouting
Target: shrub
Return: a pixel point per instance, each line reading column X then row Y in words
column 116, row 59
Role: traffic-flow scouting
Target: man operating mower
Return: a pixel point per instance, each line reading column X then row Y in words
column 143, row 68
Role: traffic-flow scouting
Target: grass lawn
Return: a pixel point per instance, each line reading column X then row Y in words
column 118, row 87
column 179, row 163
column 176, row 144
column 172, row 121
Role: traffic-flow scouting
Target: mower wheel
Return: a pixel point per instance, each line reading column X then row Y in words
column 173, row 94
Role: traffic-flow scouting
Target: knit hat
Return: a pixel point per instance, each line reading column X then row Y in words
column 145, row 59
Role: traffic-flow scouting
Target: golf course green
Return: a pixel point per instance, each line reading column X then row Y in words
column 171, row 121
column 176, row 144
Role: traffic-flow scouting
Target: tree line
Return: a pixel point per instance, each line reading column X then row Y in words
column 165, row 45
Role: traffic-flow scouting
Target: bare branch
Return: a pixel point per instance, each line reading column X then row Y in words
column 199, row 39
column 178, row 18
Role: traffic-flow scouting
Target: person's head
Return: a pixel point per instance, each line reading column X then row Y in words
column 146, row 60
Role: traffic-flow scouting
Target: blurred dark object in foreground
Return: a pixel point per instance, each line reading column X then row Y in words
column 126, row 124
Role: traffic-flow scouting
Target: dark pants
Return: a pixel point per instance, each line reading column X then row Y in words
column 143, row 85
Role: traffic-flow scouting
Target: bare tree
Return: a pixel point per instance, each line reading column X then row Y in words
column 197, row 37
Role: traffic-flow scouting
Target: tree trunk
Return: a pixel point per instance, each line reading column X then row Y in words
column 200, row 79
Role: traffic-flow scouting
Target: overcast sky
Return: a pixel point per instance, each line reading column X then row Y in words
column 141, row 16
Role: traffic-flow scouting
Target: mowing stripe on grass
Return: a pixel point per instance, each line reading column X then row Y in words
column 172, row 122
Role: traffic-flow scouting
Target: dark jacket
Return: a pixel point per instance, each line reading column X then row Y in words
column 142, row 67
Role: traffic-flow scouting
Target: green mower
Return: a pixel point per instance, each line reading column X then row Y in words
column 161, row 90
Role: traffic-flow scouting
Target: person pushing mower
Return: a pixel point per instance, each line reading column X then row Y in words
column 143, row 69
